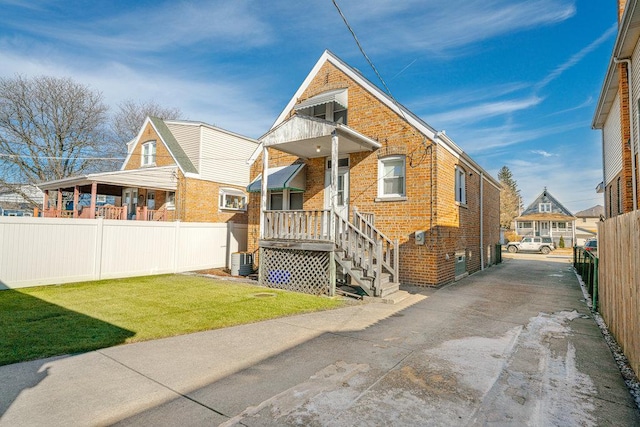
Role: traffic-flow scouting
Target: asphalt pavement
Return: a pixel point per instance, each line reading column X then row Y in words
column 514, row 344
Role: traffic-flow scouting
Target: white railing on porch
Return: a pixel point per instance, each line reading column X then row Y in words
column 389, row 249
column 298, row 225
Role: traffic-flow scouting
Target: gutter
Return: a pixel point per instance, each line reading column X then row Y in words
column 481, row 221
column 627, row 61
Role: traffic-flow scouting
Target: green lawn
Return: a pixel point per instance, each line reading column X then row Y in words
column 53, row 320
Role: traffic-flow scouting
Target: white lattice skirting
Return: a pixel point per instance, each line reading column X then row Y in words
column 295, row 270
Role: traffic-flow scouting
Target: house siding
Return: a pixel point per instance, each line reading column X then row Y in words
column 612, row 144
column 430, row 188
column 224, row 157
column 188, row 136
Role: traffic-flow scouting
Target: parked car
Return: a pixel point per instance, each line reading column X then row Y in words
column 591, row 245
column 531, row 244
column 549, row 241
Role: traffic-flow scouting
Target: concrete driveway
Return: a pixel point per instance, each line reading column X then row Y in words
column 512, row 345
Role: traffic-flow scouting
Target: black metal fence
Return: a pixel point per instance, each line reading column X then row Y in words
column 586, row 265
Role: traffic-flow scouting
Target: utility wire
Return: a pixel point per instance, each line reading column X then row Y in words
column 375, row 70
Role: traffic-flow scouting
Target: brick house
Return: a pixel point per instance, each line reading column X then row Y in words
column 404, row 205
column 547, row 217
column 617, row 116
column 174, row 170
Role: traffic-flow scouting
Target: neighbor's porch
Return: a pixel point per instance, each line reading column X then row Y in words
column 143, row 195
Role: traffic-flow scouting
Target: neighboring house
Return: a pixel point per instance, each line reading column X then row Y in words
column 174, row 170
column 617, row 116
column 587, row 223
column 546, row 217
column 360, row 188
column 20, row 200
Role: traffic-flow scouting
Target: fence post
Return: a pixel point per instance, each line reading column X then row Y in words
column 595, row 286
column 97, row 266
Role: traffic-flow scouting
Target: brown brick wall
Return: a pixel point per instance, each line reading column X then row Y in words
column 430, row 176
column 163, row 157
column 199, row 202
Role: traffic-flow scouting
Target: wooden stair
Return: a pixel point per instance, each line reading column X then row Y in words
column 367, row 256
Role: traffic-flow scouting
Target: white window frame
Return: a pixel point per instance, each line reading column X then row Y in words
column 381, row 177
column 461, row 185
column 224, row 193
column 148, row 157
column 544, row 207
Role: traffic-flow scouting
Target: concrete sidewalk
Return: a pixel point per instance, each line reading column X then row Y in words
column 513, row 345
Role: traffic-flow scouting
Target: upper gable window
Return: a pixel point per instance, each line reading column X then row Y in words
column 544, row 207
column 461, row 186
column 331, row 106
column 148, row 153
column 391, row 177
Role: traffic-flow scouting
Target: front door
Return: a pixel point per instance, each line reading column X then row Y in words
column 544, row 228
column 130, row 200
column 342, row 202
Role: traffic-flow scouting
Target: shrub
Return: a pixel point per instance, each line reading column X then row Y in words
column 561, row 242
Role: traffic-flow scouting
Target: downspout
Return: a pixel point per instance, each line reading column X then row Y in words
column 627, row 61
column 481, row 220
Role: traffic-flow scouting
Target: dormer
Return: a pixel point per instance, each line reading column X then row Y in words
column 330, row 106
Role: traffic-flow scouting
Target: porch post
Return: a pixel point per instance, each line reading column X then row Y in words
column 92, row 207
column 334, row 181
column 264, row 189
column 45, row 202
column 76, row 194
column 59, row 205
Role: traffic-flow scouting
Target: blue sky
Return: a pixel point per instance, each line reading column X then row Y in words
column 512, row 82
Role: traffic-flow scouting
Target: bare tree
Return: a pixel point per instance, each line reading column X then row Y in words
column 51, row 128
column 131, row 114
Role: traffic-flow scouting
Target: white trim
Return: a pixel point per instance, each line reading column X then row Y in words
column 460, row 185
column 381, row 162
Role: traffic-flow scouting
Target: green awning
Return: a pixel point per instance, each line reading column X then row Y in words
column 290, row 177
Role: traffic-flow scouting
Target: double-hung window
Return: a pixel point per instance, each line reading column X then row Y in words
column 461, row 185
column 392, row 177
column 149, row 153
column 544, row 207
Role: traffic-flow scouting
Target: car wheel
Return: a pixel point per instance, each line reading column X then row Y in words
column 512, row 249
column 545, row 250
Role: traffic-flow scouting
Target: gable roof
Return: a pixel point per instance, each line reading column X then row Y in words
column 177, row 153
column 593, row 212
column 439, row 137
column 626, row 40
column 557, row 209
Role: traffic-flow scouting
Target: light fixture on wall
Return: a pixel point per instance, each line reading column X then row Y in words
column 317, row 148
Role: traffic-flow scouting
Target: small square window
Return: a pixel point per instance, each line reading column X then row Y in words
column 544, row 207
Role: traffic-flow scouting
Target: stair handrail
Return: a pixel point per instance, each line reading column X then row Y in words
column 389, row 254
column 358, row 246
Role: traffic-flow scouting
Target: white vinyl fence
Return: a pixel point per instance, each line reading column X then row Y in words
column 44, row 251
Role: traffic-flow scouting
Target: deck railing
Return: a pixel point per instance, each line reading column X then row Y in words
column 586, row 265
column 144, row 214
column 299, row 225
column 389, row 255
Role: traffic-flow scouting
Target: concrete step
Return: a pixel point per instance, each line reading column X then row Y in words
column 393, row 298
column 389, row 288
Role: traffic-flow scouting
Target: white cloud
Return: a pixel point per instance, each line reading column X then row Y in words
column 483, row 111
column 577, row 57
column 543, row 153
column 457, row 23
